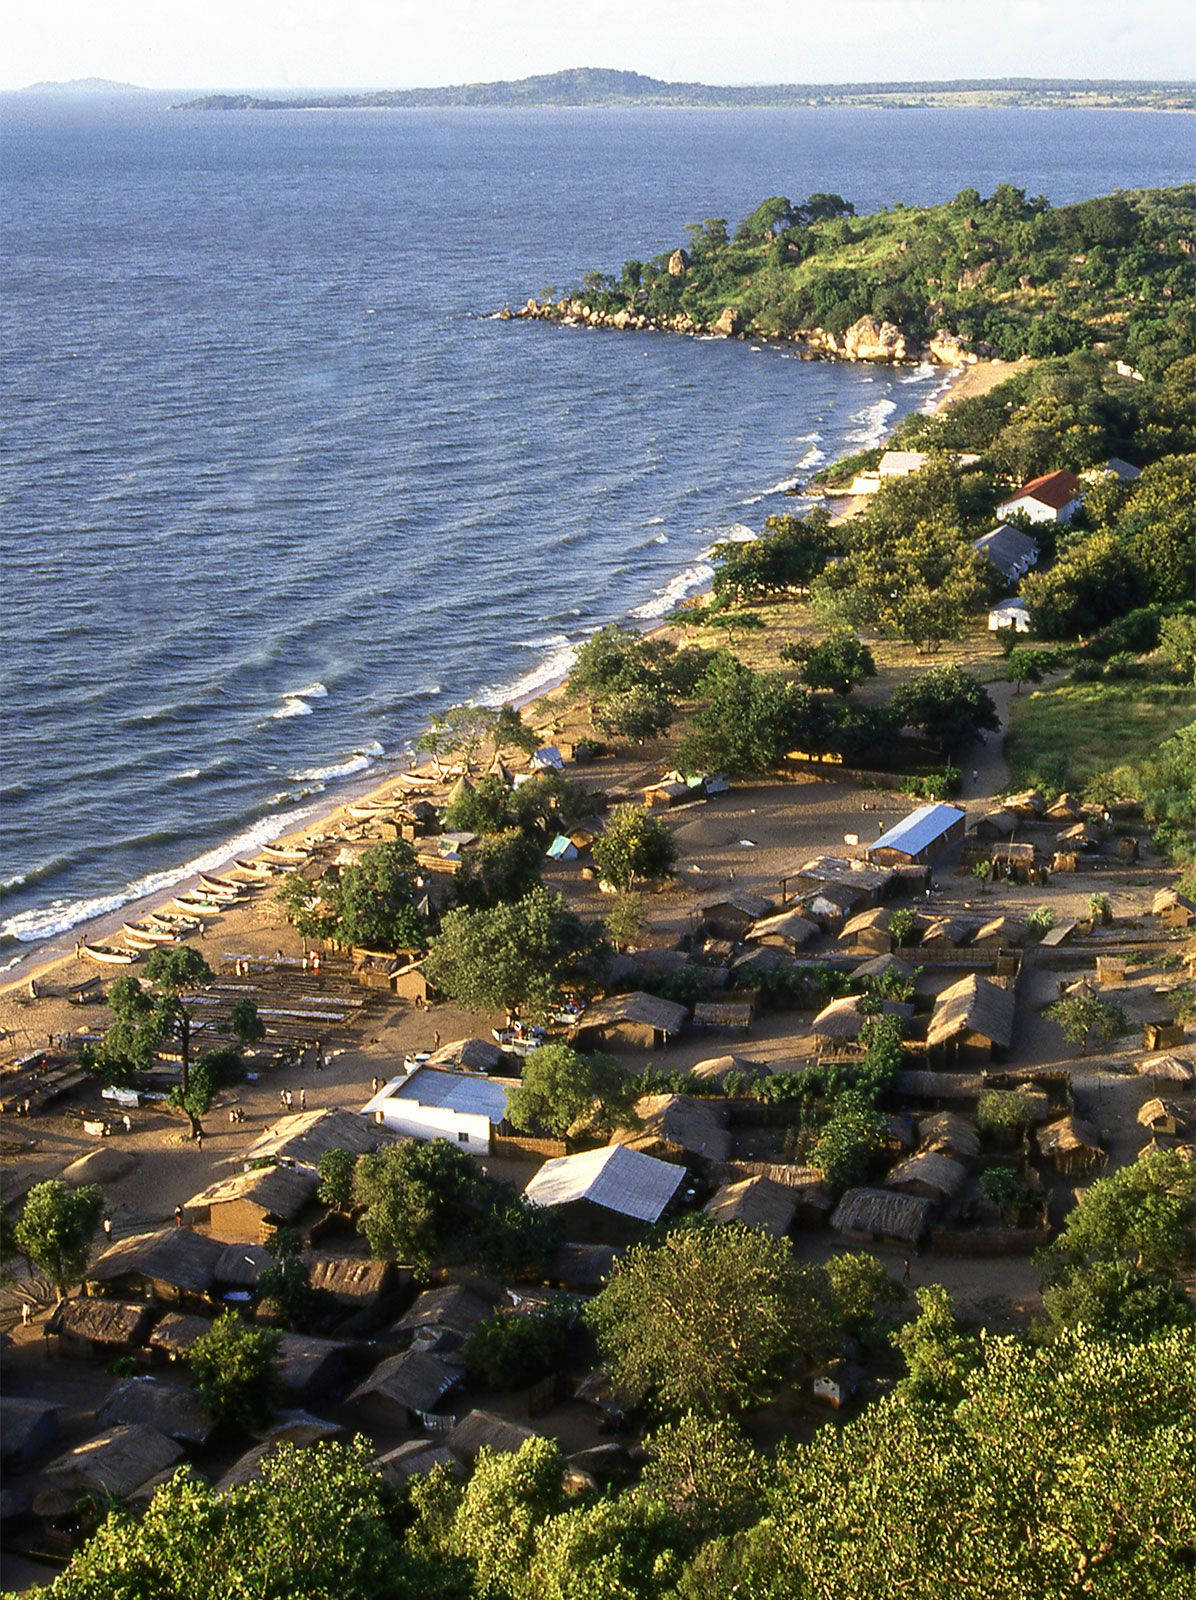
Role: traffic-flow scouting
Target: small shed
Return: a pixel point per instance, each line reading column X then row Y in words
column 308, row 1367
column 1162, row 1035
column 731, row 914
column 929, row 1172
column 1000, row 933
column 1064, row 808
column 478, row 1430
column 153, row 1402
column 930, row 834
column 353, row 1283
column 953, row 931
column 732, row 1016
column 757, row 1203
column 677, row 1125
column 620, row 1183
column 446, row 1315
column 1028, row 805
column 717, row 1069
column 787, row 930
column 882, row 1216
column 635, row 1021
column 1178, row 1071
column 410, row 983
column 1012, row 614
column 1163, row 1116
column 252, row 1205
column 940, row 1088
column 867, row 933
column 1071, row 1145
column 114, row 1463
column 951, row 1134
column 838, row 1383
column 468, row 1055
column 999, row 824
column 414, row 1459
column 177, row 1332
column 403, row 1389
column 99, row 1327
column 174, row 1264
column 1172, row 909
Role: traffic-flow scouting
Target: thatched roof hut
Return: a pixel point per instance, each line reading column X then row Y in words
column 955, row 930
column 732, row 912
column 241, row 1265
column 304, row 1136
column 406, row 1386
column 445, row 1316
column 177, row 1332
column 678, row 1125
column 951, row 1134
column 1174, row 910
column 472, row 1055
column 297, row 1428
column 756, row 1202
column 414, row 1459
column 787, row 930
column 101, row 1324
column 929, row 1172
column 1163, row 1116
column 868, row 931
column 1064, row 806
column 104, row 1165
column 1028, row 804
column 842, row 1021
column 882, row 1215
column 115, row 1462
column 972, row 1014
column 27, row 1429
column 878, row 966
column 1001, row 932
column 482, row 1429
column 252, row 1204
column 153, row 1402
column 717, row 1069
column 1179, row 1071
column 354, row 1282
column 1072, row 1145
column 166, row 1264
column 940, row 1088
column 997, row 824
column 308, row 1366
column 635, row 1021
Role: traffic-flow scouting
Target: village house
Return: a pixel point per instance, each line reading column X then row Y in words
column 482, row 1430
column 613, row 1192
column 442, row 1318
column 250, row 1206
column 301, row 1138
column 171, row 1264
column 939, row 1177
column 972, row 1019
column 677, row 1125
column 114, row 1464
column 430, row 1103
column 872, row 880
column 932, row 833
column 787, row 930
column 867, row 933
column 1012, row 614
column 757, row 1202
column 308, row 1367
column 882, row 1216
column 28, row 1428
column 94, row 1327
column 1009, row 550
column 840, row 1025
column 355, row 1285
column 1053, row 497
column 158, row 1403
column 635, row 1021
column 831, row 904
column 404, row 1389
column 730, row 914
column 1071, row 1145
column 1172, row 909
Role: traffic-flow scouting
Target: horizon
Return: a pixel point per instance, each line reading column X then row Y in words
column 237, row 49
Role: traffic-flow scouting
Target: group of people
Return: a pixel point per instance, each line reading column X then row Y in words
column 287, row 1100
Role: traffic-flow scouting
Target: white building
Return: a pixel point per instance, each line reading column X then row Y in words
column 430, row 1103
column 1013, row 614
column 1009, row 550
column 902, row 463
column 1055, row 497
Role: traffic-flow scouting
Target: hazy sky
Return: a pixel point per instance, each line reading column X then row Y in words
column 398, row 43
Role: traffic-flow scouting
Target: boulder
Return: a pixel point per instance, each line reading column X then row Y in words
column 869, row 340
column 729, row 323
column 950, row 351
column 972, row 277
column 678, row 264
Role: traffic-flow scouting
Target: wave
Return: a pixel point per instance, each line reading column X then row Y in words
column 873, row 422
column 359, row 760
column 60, row 916
column 654, row 522
column 310, row 691
column 291, row 708
column 549, row 671
column 38, row 874
column 780, row 487
column 553, row 642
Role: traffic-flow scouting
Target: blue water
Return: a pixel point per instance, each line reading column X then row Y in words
column 272, row 490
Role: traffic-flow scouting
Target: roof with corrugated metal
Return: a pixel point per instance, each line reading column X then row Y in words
column 619, row 1179
column 921, row 828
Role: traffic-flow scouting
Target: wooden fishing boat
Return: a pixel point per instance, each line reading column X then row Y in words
column 220, row 885
column 258, row 869
column 197, row 907
column 169, row 922
column 288, row 858
column 223, row 897
column 140, row 934
column 110, row 955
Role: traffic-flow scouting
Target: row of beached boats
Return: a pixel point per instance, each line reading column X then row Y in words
column 189, row 910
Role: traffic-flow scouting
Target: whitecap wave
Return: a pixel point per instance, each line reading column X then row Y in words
column 873, row 423
column 62, row 915
column 553, row 642
column 687, row 582
column 310, row 691
column 356, row 761
column 541, row 677
column 654, row 522
column 290, row 708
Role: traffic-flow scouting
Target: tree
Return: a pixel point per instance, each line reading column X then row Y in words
column 464, row 729
column 336, row 1168
column 561, row 1088
column 235, row 1370
column 372, row 903
column 705, row 1473
column 848, row 1144
column 305, row 907
column 860, row 1289
column 510, row 957
column 196, row 1099
column 749, row 721
column 1157, row 528
column 1004, row 1189
column 617, row 659
column 247, row 1026
column 1177, row 643
column 641, row 712
column 1086, row 1020
column 172, row 969
column 1025, row 664
column 1141, row 1214
column 625, row 918
column 283, row 1288
column 1004, row 1112
column 501, row 867
column 708, row 1319
column 1114, row 1298
column 55, row 1230
column 634, row 847
column 1092, row 582
column 948, row 705
column 481, row 807
column 510, row 1351
column 839, row 662
column 902, row 925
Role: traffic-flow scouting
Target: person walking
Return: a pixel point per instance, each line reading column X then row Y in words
column 905, row 1270
column 178, row 1216
column 107, row 1226
column 303, row 1099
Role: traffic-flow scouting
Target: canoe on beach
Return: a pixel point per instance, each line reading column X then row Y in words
column 220, row 885
column 140, row 934
column 258, row 869
column 198, row 907
column 111, row 955
column 290, row 858
column 168, row 922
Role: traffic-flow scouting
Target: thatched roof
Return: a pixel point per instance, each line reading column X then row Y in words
column 297, row 1427
column 717, row 1069
column 844, row 1020
column 950, row 930
column 115, row 1462
column 950, row 1133
column 584, row 1266
column 972, row 1005
column 1082, row 833
column 178, row 1331
column 280, row 1192
column 679, row 1122
column 105, row 1165
column 757, row 1202
column 118, row 1323
column 865, row 921
column 241, row 1265
column 415, row 1380
column 304, row 1362
column 25, row 1425
column 450, row 1306
column 787, row 927
column 997, row 824
column 646, row 1010
column 1168, row 1069
column 1159, row 1112
column 478, row 1429
column 1064, row 805
column 1171, row 900
column 877, row 966
column 929, row 1169
column 475, row 1055
column 917, row 1085
column 179, row 1257
column 1002, row 929
column 304, row 1136
column 1070, row 1133
column 1029, row 803
column 354, row 1281
column 749, row 905
column 157, row 1403
column 414, row 1459
column 883, row 1214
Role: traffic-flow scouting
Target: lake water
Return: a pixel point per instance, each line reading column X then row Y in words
column 271, row 490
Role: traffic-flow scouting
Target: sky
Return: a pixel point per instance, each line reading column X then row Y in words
column 294, row 44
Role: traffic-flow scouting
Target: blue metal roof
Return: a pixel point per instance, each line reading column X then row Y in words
column 922, row 827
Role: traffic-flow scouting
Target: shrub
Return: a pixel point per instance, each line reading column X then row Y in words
column 1003, row 1111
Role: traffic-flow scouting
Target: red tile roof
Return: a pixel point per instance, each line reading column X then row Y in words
column 1054, row 489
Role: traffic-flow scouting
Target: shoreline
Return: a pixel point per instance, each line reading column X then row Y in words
column 330, row 818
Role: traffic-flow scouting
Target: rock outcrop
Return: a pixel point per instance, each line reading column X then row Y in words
column 950, row 351
column 869, row 340
column 729, row 323
column 678, row 264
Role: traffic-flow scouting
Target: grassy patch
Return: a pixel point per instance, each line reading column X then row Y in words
column 1066, row 735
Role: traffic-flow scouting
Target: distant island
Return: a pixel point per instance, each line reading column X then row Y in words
column 606, row 87
column 81, row 86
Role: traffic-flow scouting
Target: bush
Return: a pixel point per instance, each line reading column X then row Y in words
column 1003, row 1111
column 235, row 1371
column 511, row 1351
column 1004, row 1189
column 1040, row 921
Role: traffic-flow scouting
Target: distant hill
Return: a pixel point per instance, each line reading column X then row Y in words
column 84, row 86
column 604, row 86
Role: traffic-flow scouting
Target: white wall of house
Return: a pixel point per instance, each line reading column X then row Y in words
column 1037, row 511
column 470, row 1130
